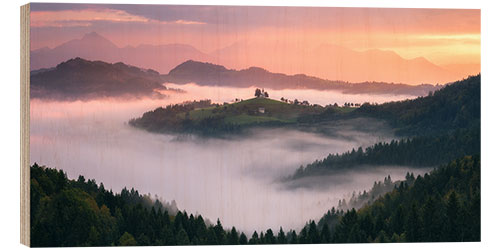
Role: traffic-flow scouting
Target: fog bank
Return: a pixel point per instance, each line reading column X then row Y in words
column 231, row 179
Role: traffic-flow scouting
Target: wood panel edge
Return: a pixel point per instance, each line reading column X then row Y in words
column 25, row 125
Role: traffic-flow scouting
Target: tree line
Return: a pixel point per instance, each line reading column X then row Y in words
column 421, row 151
column 455, row 106
column 441, row 206
column 438, row 128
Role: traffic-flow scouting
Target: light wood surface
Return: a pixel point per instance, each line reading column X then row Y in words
column 25, row 124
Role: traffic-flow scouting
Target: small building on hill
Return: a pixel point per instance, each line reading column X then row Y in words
column 262, row 110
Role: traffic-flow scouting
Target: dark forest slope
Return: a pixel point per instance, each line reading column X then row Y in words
column 80, row 79
column 438, row 128
column 441, row 206
column 444, row 205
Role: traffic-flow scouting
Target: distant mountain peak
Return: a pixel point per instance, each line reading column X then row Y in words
column 198, row 67
column 254, row 69
column 93, row 35
column 92, row 38
column 421, row 59
column 73, row 61
column 94, row 46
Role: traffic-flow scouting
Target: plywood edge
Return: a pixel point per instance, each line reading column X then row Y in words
column 25, row 124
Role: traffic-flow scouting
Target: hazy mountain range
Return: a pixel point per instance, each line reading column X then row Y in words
column 329, row 61
column 326, row 61
column 93, row 46
column 84, row 79
column 217, row 75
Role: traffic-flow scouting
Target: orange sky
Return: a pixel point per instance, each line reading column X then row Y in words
column 446, row 37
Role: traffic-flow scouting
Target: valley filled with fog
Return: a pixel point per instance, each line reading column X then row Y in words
column 235, row 179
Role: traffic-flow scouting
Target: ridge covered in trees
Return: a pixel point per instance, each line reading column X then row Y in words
column 443, row 206
column 421, row 151
column 455, row 106
column 80, row 79
column 438, row 128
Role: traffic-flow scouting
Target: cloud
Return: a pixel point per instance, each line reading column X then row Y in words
column 86, row 17
column 180, row 21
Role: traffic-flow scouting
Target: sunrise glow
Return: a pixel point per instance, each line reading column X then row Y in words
column 284, row 39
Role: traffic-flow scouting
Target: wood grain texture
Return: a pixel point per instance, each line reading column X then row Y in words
column 25, row 124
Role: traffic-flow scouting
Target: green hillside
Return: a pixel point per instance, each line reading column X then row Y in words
column 214, row 119
column 247, row 112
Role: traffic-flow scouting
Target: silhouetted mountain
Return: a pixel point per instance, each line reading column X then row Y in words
column 217, row 75
column 333, row 62
column 326, row 61
column 93, row 46
column 80, row 79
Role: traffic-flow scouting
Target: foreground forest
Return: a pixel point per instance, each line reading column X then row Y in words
column 443, row 205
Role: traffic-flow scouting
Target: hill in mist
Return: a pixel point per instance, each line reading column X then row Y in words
column 209, row 119
column 80, row 79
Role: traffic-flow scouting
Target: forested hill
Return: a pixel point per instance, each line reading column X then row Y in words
column 214, row 120
column 420, row 151
column 80, row 79
column 217, row 75
column 436, row 129
column 456, row 106
column 442, row 206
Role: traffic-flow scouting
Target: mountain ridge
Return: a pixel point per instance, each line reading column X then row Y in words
column 93, row 46
column 326, row 61
column 335, row 62
column 209, row 74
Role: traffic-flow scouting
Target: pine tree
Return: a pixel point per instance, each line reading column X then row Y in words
column 293, row 238
column 127, row 240
column 233, row 238
column 182, row 237
column 325, row 234
column 269, row 237
column 431, row 221
column 452, row 224
column 243, row 239
column 413, row 225
column 219, row 233
column 313, row 233
column 281, row 236
column 303, row 238
column 254, row 239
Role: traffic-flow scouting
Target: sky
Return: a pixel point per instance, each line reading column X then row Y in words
column 446, row 37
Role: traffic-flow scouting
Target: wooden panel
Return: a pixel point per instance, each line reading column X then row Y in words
column 25, row 124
